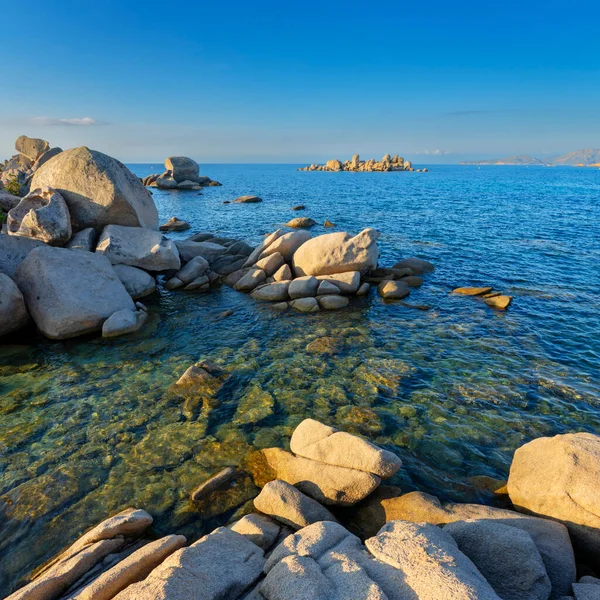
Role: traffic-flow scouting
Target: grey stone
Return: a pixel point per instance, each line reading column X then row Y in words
column 307, row 305
column 259, row 529
column 333, row 302
column 270, row 264
column 303, row 287
column 70, row 293
column 138, row 247
column 327, row 288
column 196, row 267
column 13, row 314
column 122, row 322
column 84, row 240
column 272, row 292
column 347, row 283
column 183, row 168
column 258, row 251
column 206, row 250
column 416, row 265
column 98, row 189
column 250, row 280
column 393, row 290
column 138, row 283
column 283, row 274
column 247, row 200
column 363, row 290
column 286, row 244
column 45, row 157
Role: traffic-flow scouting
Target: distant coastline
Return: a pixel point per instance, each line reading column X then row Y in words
column 589, row 157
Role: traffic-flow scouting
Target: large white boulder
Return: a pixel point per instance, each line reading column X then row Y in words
column 337, row 253
column 138, row 247
column 32, row 148
column 42, row 215
column 68, row 292
column 98, row 189
column 558, row 477
column 287, row 244
column 13, row 314
column 183, row 169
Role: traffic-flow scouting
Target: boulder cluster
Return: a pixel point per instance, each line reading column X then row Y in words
column 491, row 297
column 322, row 527
column 387, row 163
column 181, row 173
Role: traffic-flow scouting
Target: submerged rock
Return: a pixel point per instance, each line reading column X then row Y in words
column 217, row 483
column 70, row 293
column 98, row 189
column 500, row 302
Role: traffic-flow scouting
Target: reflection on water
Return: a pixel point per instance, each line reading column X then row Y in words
column 89, row 426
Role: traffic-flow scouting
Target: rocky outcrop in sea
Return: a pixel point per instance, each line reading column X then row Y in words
column 387, row 163
column 323, row 524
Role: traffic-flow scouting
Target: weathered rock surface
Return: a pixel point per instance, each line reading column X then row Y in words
column 301, row 222
column 182, row 168
column 347, row 283
column 327, row 289
column 506, row 556
column 556, row 477
column 306, row 305
column 311, row 439
column 138, row 283
column 70, row 293
column 325, row 483
column 98, row 189
column 472, row 291
column 207, row 250
column 122, row 322
column 138, row 247
column 337, row 253
column 551, row 538
column 259, row 529
column 132, row 569
column 290, row 506
column 303, row 287
column 286, row 244
column 219, row 566
column 174, row 224
column 500, row 302
column 432, row 565
column 42, row 215
column 45, row 157
column 8, row 201
column 284, row 273
column 13, row 314
column 250, row 280
column 84, row 240
column 270, row 264
column 32, row 148
column 272, row 292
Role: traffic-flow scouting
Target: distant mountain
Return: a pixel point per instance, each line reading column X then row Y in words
column 523, row 159
column 580, row 158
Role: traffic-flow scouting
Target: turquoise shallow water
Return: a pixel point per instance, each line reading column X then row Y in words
column 87, row 426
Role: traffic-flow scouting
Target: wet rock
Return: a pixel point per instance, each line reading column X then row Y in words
column 122, row 322
column 393, row 290
column 273, row 292
column 270, row 264
column 98, row 189
column 499, row 302
column 188, row 185
column 333, row 302
column 306, row 305
column 200, row 284
column 327, row 484
column 13, row 314
column 286, row 244
column 138, row 283
column 198, row 381
column 432, row 565
column 42, row 215
column 136, row 567
column 259, row 529
column 247, row 199
column 328, row 223
column 84, row 240
column 319, row 442
column 250, row 280
column 32, row 148
column 288, row 505
column 138, row 247
column 303, row 287
column 70, row 293
column 324, row 345
column 472, row 291
column 254, row 406
column 417, row 265
column 550, row 538
column 207, row 250
column 222, row 564
column 284, row 273
column 556, row 477
column 337, row 253
column 175, row 224
column 301, row 222
column 219, row 482
column 327, row 288
column 347, row 283
column 507, row 557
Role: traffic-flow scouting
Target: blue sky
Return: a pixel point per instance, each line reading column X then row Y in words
column 302, row 82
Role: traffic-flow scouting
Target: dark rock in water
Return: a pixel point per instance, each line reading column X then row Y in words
column 299, row 207
column 328, row 223
column 226, row 202
column 175, row 224
column 247, row 199
column 225, row 314
column 418, row 265
column 217, row 483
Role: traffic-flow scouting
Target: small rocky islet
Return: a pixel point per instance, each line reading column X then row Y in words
column 355, row 164
column 355, row 538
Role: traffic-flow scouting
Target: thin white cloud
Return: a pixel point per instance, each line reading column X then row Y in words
column 78, row 122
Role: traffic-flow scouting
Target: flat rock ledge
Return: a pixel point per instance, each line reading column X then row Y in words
column 300, row 545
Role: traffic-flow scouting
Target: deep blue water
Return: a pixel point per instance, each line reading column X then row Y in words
column 86, row 427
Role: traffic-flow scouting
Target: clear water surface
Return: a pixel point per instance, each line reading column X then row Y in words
column 87, row 426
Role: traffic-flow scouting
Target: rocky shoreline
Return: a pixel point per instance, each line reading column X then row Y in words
column 322, row 525
column 387, row 163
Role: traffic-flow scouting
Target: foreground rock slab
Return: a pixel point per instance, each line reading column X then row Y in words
column 98, row 189
column 221, row 565
column 311, row 439
column 68, row 292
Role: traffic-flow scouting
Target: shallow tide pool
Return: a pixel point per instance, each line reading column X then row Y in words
column 88, row 427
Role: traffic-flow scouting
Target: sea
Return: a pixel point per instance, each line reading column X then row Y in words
column 88, row 426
